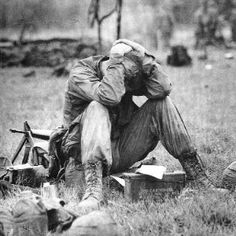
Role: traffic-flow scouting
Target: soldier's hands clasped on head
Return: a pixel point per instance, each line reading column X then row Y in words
column 120, row 49
column 135, row 46
column 145, row 56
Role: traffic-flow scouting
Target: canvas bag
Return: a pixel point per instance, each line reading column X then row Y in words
column 30, row 218
column 6, row 222
column 95, row 223
column 37, row 216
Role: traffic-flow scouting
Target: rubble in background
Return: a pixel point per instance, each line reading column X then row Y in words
column 59, row 53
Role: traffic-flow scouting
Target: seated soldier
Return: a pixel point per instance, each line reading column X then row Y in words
column 107, row 132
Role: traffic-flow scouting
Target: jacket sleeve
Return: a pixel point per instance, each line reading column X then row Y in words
column 156, row 82
column 85, row 84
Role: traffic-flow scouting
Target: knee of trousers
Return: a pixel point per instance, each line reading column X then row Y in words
column 95, row 110
column 164, row 101
column 95, row 134
column 160, row 105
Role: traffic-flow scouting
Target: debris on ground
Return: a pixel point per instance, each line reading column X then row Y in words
column 31, row 73
column 208, row 67
column 46, row 53
column 229, row 55
column 179, row 56
column 35, row 214
column 203, row 57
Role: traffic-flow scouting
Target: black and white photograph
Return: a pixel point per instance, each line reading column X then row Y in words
column 117, row 117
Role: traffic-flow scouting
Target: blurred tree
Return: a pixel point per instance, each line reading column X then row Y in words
column 94, row 15
column 165, row 23
column 3, row 14
column 119, row 8
column 233, row 24
column 27, row 19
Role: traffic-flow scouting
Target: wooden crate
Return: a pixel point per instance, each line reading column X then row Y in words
column 139, row 185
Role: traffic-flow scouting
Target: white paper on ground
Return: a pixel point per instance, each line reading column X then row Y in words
column 119, row 180
column 152, row 170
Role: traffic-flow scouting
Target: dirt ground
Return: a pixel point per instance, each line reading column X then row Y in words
column 206, row 98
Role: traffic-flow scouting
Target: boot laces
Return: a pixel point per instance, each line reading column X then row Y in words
column 92, row 182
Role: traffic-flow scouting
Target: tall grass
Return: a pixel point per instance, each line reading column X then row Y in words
column 207, row 102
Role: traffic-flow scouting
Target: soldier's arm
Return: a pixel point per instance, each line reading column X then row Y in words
column 157, row 83
column 85, row 84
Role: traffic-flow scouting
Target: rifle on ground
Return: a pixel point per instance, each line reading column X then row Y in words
column 27, row 140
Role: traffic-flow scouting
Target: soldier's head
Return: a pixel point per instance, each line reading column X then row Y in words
column 134, row 76
column 133, row 70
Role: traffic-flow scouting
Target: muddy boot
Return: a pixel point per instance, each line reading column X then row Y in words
column 195, row 172
column 93, row 196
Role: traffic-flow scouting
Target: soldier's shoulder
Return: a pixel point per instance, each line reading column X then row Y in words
column 90, row 60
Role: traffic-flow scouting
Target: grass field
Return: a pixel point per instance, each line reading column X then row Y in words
column 207, row 102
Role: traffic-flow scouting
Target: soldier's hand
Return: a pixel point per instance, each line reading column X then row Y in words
column 120, row 49
column 135, row 46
